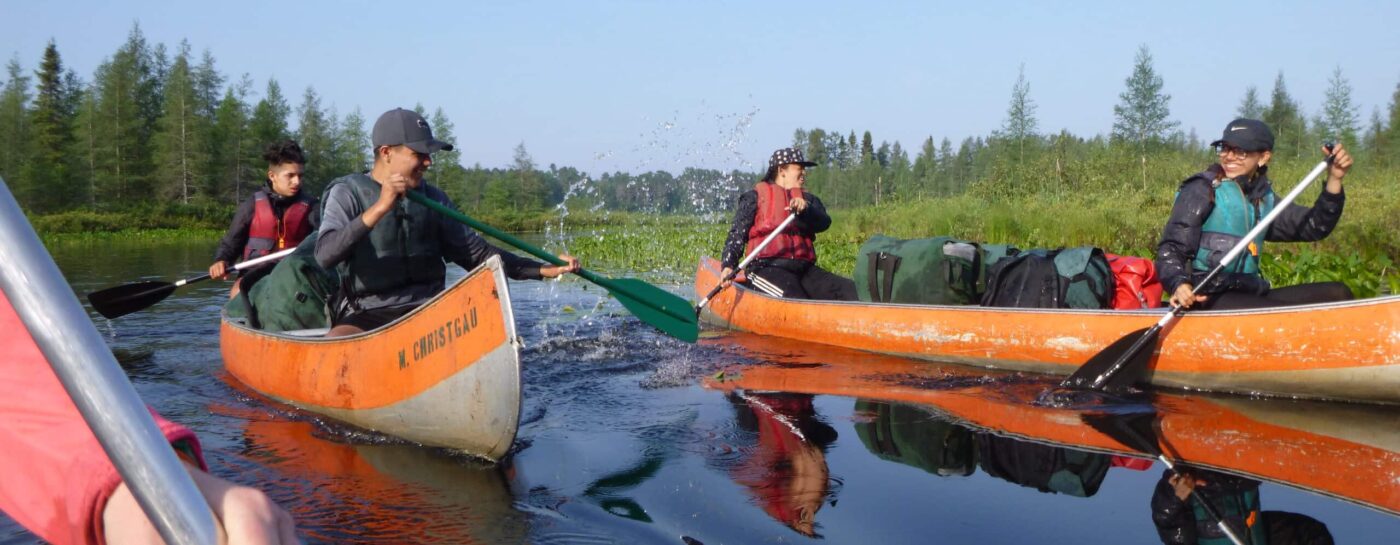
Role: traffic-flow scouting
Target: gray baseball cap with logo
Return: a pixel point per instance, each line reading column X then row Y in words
column 405, row 127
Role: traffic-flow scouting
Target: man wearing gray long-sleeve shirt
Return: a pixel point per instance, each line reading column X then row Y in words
column 389, row 250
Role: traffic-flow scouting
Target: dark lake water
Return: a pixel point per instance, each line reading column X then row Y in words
column 630, row 437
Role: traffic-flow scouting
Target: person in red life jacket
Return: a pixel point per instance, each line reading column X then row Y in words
column 1216, row 208
column 276, row 217
column 785, row 468
column 58, row 483
column 789, row 263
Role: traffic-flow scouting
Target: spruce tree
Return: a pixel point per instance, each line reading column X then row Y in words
column 1339, row 113
column 1286, row 121
column 267, row 125
column 447, row 165
column 14, row 131
column 1250, row 106
column 180, row 138
column 85, row 144
column 527, row 193
column 315, row 136
column 1142, row 118
column 926, row 166
column 352, row 145
column 49, row 179
column 1020, row 126
column 231, row 175
column 1390, row 141
column 129, row 103
column 817, row 150
column 1374, row 141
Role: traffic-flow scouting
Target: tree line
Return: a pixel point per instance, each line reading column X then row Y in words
column 1018, row 157
column 154, row 126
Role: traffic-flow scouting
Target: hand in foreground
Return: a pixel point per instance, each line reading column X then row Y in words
column 725, row 277
column 390, row 191
column 1341, row 163
column 244, row 515
column 1183, row 484
column 571, row 264
column 218, row 271
column 1183, row 298
column 797, row 205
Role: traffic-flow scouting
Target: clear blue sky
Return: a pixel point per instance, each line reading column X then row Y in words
column 640, row 85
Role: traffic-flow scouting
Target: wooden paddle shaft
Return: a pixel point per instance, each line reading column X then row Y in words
column 100, row 390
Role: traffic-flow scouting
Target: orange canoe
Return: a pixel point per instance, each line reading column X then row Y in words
column 1342, row 450
column 445, row 375
column 1348, row 351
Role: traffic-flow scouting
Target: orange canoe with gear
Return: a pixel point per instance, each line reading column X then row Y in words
column 445, row 375
column 1343, row 450
column 1347, row 351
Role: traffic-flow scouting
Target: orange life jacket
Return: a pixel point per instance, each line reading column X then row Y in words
column 268, row 234
column 772, row 210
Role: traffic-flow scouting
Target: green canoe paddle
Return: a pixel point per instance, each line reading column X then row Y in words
column 664, row 311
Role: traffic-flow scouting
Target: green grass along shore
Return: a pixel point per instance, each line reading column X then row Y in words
column 1362, row 252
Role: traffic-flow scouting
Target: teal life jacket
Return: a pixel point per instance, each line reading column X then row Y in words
column 402, row 249
column 1239, row 510
column 1230, row 220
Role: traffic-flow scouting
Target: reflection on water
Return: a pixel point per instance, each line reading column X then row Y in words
column 621, row 443
column 921, row 437
column 382, row 493
column 784, row 468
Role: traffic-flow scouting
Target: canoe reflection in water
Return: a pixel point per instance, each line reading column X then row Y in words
column 916, row 437
column 911, row 436
column 785, row 468
column 380, row 493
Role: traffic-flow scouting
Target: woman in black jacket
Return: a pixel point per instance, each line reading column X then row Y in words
column 1216, row 208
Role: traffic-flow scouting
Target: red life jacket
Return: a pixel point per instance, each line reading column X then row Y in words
column 268, row 234
column 772, row 210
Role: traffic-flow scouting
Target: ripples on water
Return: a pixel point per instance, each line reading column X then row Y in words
column 620, row 443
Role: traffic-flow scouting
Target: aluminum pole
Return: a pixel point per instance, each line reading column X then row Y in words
column 84, row 364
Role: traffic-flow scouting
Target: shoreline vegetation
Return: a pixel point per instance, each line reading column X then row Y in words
column 1121, row 218
column 158, row 144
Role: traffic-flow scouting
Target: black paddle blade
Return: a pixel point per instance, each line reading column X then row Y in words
column 1136, row 431
column 129, row 298
column 1120, row 365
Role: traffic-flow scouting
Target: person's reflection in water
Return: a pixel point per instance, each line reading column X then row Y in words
column 786, row 471
column 1181, row 521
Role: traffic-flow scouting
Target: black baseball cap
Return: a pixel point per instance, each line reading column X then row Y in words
column 789, row 156
column 405, row 127
column 1247, row 135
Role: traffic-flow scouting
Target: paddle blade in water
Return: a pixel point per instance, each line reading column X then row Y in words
column 1135, row 430
column 669, row 313
column 1119, row 366
column 129, row 298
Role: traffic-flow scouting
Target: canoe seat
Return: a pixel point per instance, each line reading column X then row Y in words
column 315, row 332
